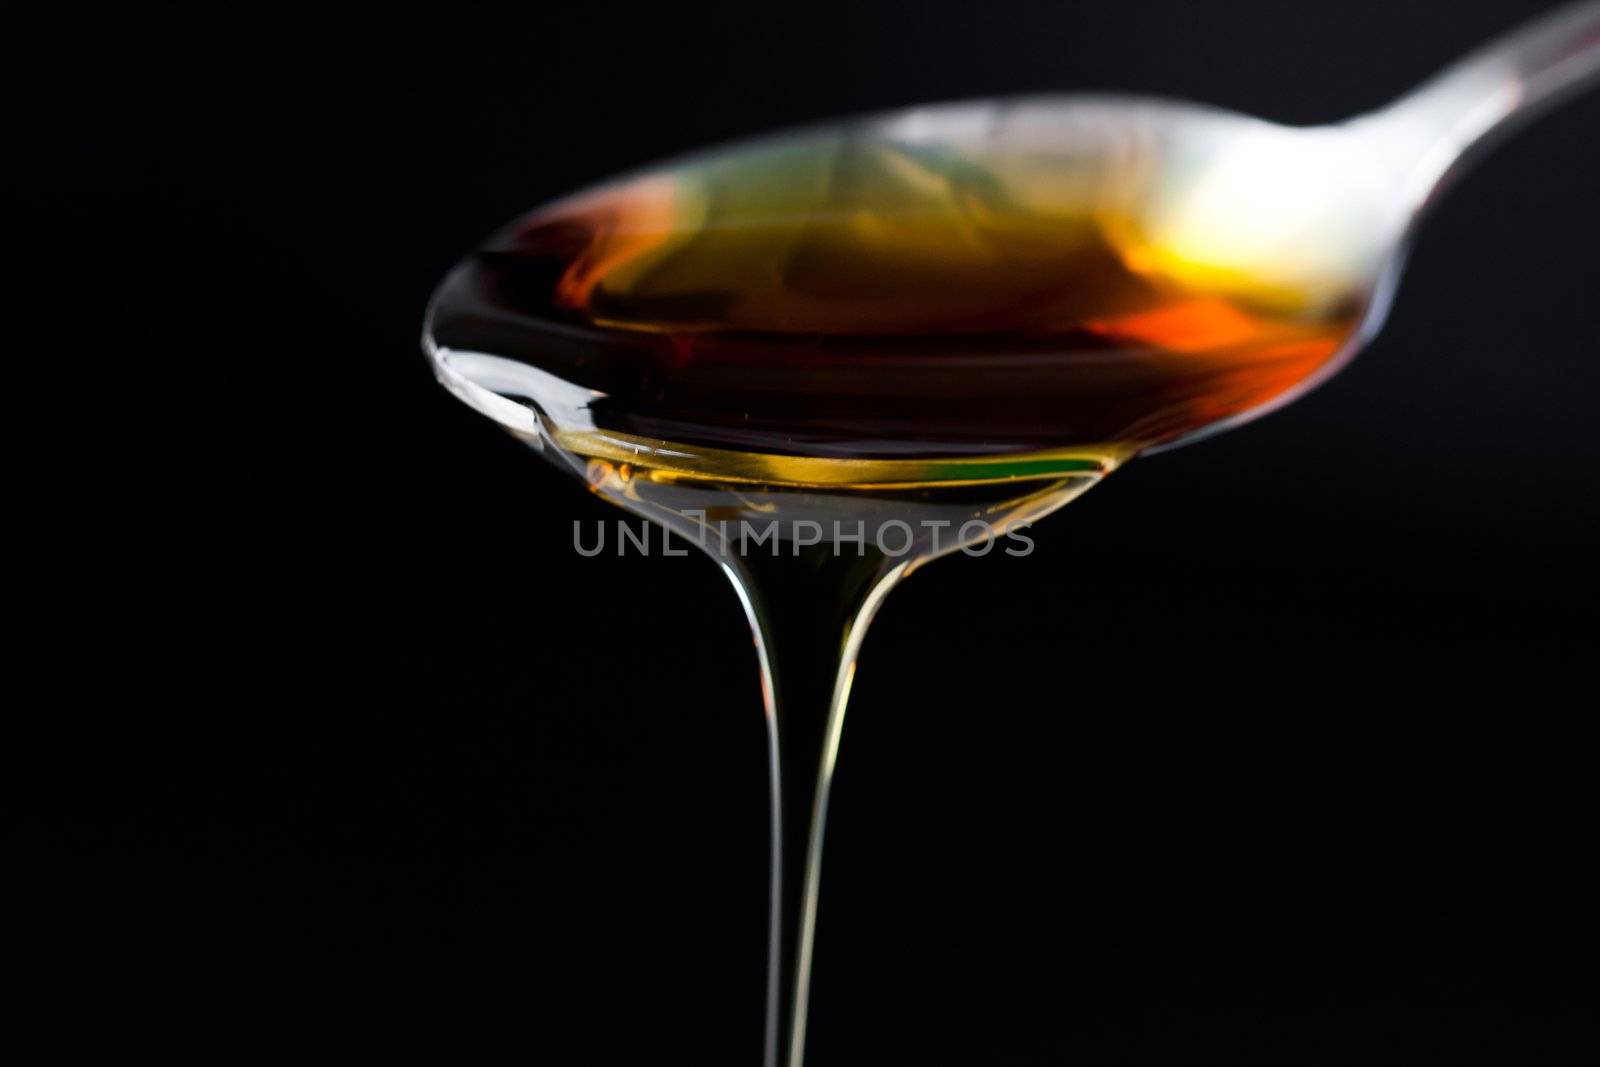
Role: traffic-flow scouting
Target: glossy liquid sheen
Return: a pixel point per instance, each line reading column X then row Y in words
column 994, row 296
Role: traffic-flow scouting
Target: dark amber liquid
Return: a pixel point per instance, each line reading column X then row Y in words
column 847, row 297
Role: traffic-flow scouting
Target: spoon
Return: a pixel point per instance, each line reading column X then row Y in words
column 976, row 310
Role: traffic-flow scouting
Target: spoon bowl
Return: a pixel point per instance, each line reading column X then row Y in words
column 970, row 279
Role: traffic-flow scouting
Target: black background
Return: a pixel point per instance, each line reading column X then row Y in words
column 1274, row 751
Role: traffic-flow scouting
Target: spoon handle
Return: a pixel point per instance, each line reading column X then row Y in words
column 1430, row 131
